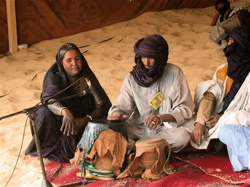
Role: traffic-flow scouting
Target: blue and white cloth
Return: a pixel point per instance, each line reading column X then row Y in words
column 237, row 139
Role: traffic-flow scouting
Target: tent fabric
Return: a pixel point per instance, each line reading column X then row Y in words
column 49, row 19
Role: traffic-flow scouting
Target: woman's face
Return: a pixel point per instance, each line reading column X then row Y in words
column 72, row 63
column 147, row 62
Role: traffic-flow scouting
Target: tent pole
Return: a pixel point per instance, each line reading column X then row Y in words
column 11, row 22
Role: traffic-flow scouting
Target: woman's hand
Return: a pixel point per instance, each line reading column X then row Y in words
column 68, row 122
column 80, row 123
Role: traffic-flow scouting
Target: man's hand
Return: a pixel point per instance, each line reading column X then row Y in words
column 211, row 122
column 197, row 133
column 117, row 115
column 152, row 121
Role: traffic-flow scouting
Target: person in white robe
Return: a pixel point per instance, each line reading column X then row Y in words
column 155, row 95
column 224, row 99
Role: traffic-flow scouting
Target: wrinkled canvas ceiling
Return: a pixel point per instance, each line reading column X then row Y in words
column 39, row 20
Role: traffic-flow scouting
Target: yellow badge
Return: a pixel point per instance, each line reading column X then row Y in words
column 157, row 100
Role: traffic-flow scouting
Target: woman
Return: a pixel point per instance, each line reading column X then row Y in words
column 60, row 125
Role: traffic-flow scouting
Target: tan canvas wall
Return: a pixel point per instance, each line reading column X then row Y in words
column 39, row 20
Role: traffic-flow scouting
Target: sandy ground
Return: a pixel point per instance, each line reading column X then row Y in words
column 21, row 74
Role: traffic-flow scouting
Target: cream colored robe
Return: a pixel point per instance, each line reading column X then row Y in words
column 174, row 87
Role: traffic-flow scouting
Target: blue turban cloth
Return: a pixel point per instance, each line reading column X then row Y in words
column 152, row 46
column 238, row 58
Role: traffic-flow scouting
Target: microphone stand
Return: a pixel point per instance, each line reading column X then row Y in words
column 31, row 114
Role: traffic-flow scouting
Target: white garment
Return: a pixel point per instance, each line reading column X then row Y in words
column 235, row 10
column 236, row 113
column 215, row 86
column 174, row 87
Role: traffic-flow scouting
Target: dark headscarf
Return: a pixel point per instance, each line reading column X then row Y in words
column 222, row 10
column 238, row 53
column 243, row 16
column 152, row 46
column 56, row 80
column 238, row 58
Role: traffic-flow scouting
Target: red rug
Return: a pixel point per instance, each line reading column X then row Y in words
column 202, row 169
column 217, row 165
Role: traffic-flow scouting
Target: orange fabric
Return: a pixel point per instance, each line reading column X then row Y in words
column 228, row 85
column 222, row 75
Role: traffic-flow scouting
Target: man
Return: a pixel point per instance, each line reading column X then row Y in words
column 223, row 93
column 155, row 94
column 223, row 7
column 228, row 21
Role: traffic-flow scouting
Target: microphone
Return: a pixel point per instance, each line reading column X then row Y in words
column 94, row 92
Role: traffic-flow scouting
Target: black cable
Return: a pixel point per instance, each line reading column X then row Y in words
column 18, row 153
column 26, row 123
column 47, row 99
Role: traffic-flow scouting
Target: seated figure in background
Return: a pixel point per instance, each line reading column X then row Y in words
column 224, row 9
column 228, row 21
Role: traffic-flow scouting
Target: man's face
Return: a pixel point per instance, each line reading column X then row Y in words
column 220, row 5
column 147, row 62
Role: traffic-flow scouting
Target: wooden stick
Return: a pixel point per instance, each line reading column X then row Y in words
column 216, row 17
column 11, row 20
